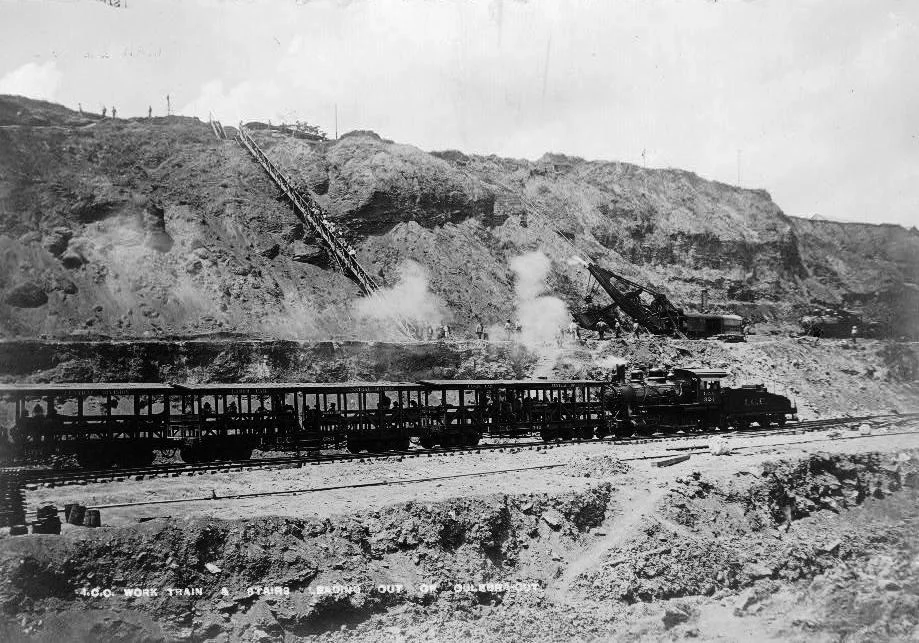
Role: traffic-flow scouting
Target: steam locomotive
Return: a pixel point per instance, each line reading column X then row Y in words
column 690, row 399
column 126, row 424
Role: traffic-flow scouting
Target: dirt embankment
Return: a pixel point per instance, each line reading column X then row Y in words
column 820, row 545
column 152, row 226
column 244, row 360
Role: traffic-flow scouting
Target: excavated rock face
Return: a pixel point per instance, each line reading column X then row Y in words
column 174, row 232
column 373, row 184
column 153, row 221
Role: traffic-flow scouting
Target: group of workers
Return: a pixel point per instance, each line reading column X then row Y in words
column 115, row 110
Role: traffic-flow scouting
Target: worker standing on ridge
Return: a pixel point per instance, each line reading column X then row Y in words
column 104, row 111
column 114, row 113
column 853, row 333
column 150, row 111
column 618, row 330
column 635, row 329
column 480, row 328
column 507, row 329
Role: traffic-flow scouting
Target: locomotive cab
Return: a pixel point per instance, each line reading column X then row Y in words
column 700, row 386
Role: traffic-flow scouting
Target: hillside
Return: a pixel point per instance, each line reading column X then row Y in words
column 152, row 227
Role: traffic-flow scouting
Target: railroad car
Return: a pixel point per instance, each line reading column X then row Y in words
column 464, row 410
column 126, row 424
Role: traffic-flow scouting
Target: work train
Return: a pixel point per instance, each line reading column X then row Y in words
column 125, row 424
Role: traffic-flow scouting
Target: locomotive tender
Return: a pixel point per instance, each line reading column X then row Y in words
column 124, row 424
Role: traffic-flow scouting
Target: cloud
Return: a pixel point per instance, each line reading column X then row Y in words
column 33, row 80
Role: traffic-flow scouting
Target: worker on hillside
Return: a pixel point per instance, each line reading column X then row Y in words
column 508, row 328
column 104, row 111
column 480, row 328
column 635, row 329
column 854, row 333
column 602, row 327
column 575, row 331
column 517, row 327
column 150, row 111
column 618, row 328
column 114, row 113
column 80, row 107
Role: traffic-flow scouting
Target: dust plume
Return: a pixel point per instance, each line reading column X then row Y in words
column 410, row 300
column 540, row 315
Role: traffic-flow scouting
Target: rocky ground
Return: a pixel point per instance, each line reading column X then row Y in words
column 815, row 539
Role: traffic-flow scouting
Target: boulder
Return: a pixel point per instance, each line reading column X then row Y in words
column 271, row 251
column 553, row 518
column 56, row 241
column 72, row 259
column 26, row 295
column 308, row 253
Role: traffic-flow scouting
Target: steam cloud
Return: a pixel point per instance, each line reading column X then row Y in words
column 410, row 300
column 540, row 315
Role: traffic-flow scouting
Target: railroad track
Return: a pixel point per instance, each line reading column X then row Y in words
column 379, row 483
column 14, row 481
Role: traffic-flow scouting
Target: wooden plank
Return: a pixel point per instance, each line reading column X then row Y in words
column 669, row 462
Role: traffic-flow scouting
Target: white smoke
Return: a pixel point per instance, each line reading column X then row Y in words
column 576, row 261
column 410, row 301
column 541, row 316
column 610, row 362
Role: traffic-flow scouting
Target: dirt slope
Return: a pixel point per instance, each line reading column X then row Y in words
column 152, row 226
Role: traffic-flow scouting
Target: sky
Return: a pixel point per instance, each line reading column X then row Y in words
column 815, row 101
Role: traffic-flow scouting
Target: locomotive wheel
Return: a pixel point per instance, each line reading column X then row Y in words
column 587, row 433
column 354, row 445
column 403, row 443
column 547, row 435
column 781, row 421
column 472, row 439
column 243, row 452
column 427, row 442
column 190, row 454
